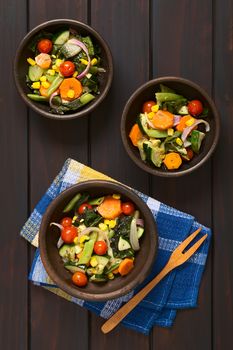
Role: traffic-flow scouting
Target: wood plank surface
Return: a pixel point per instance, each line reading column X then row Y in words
column 13, row 185
column 176, row 51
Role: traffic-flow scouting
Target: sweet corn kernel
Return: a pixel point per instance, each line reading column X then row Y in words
column 155, row 108
column 116, row 196
column 112, row 223
column 111, row 276
column 76, row 240
column 93, row 262
column 31, row 61
column 51, row 72
column 151, row 115
column 106, row 221
column 190, row 122
column 43, row 78
column 54, row 67
column 103, row 227
column 58, row 62
column 75, row 74
column 53, row 56
column 170, row 131
column 81, row 245
column 179, row 141
column 70, row 93
column 45, row 84
column 83, row 239
column 36, row 85
column 94, row 61
column 74, row 219
column 83, row 61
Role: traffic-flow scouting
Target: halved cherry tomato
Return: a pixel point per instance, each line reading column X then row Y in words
column 84, row 207
column 66, row 222
column 146, row 108
column 100, row 247
column 127, row 208
column 45, row 45
column 67, row 68
column 195, row 108
column 68, row 234
column 79, row 279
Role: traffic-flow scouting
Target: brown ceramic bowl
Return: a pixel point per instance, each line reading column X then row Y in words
column 21, row 66
column 189, row 90
column 113, row 288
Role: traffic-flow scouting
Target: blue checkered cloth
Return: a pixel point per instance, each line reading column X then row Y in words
column 178, row 290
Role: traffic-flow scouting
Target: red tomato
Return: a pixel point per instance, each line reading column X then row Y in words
column 79, row 279
column 68, row 234
column 45, row 45
column 127, row 208
column 195, row 108
column 67, row 68
column 100, row 247
column 146, row 108
column 65, row 222
column 83, row 207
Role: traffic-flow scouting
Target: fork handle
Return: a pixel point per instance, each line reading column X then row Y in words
column 113, row 321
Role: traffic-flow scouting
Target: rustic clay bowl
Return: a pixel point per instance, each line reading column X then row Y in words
column 93, row 291
column 189, row 90
column 21, row 66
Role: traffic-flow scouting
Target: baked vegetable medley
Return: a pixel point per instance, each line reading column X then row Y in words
column 99, row 237
column 170, row 129
column 64, row 70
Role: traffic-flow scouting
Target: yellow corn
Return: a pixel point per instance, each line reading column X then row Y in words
column 83, row 61
column 179, row 141
column 94, row 61
column 106, row 222
column 84, row 238
column 74, row 219
column 36, row 85
column 31, row 61
column 103, row 227
column 45, row 84
column 93, row 262
column 43, row 78
column 58, row 62
column 170, row 131
column 116, row 196
column 112, row 223
column 155, row 108
column 150, row 115
column 51, row 72
column 190, row 122
column 76, row 240
column 111, row 276
column 75, row 74
column 70, row 93
column 55, row 68
column 81, row 245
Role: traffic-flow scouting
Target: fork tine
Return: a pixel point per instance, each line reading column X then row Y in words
column 192, row 250
column 186, row 242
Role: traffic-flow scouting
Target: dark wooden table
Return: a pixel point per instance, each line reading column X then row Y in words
column 192, row 39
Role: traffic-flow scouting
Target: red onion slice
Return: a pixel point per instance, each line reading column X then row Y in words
column 84, row 48
column 176, row 119
column 60, row 243
column 140, row 222
column 133, row 236
column 187, row 130
column 51, row 100
column 58, row 225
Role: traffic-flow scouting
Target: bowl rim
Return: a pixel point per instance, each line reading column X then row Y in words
column 88, row 109
column 74, row 290
column 157, row 81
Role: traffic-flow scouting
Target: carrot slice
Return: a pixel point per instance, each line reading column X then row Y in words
column 70, row 84
column 182, row 124
column 172, row 160
column 125, row 266
column 135, row 134
column 163, row 120
column 110, row 208
column 116, row 271
column 43, row 91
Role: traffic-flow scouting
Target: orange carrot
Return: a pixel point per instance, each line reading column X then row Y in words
column 116, row 271
column 43, row 91
column 125, row 266
column 189, row 153
column 182, row 124
column 135, row 134
column 70, row 85
column 172, row 160
column 43, row 60
column 110, row 208
column 163, row 120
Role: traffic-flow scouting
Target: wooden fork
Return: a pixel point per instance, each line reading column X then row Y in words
column 177, row 258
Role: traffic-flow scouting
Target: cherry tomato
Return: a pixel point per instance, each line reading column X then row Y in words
column 45, row 45
column 127, row 208
column 67, row 68
column 83, row 207
column 65, row 222
column 100, row 247
column 68, row 234
column 195, row 108
column 146, row 108
column 79, row 279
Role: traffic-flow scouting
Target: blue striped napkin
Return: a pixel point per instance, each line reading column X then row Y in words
column 179, row 290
